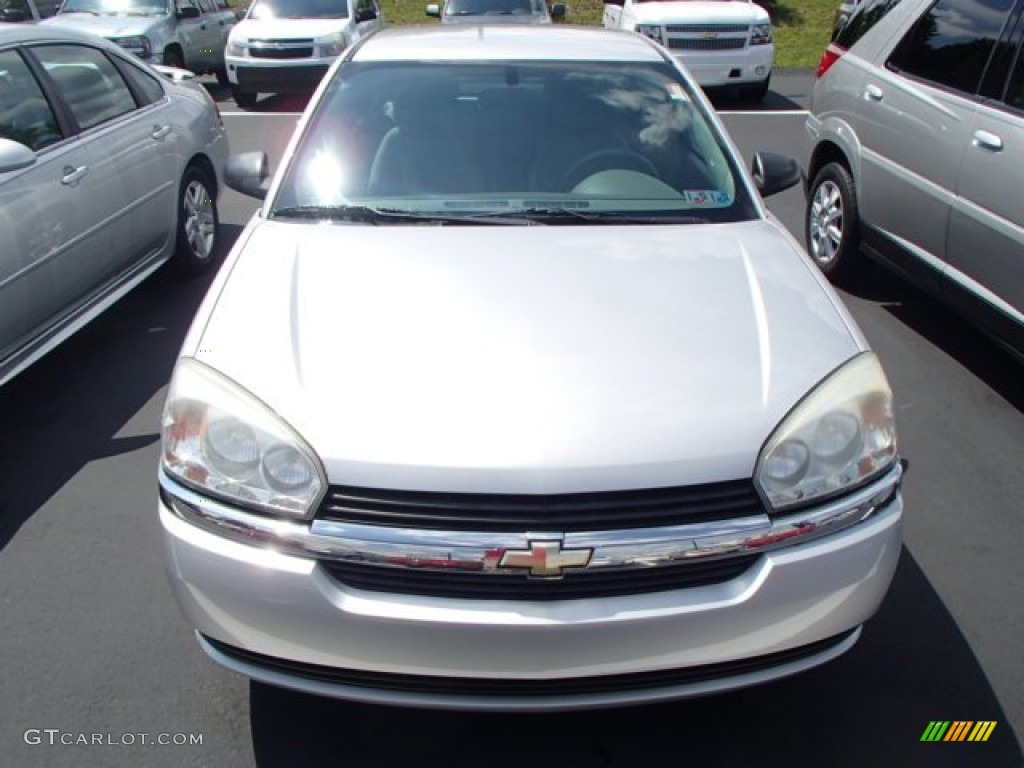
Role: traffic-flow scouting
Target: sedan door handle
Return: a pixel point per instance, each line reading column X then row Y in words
column 873, row 92
column 989, row 141
column 73, row 175
column 160, row 132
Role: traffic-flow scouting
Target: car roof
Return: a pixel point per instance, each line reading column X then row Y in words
column 34, row 33
column 505, row 42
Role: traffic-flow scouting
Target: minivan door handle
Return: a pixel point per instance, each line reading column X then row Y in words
column 873, row 92
column 160, row 132
column 73, row 175
column 989, row 141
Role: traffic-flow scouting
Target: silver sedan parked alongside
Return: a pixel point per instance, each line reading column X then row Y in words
column 514, row 396
column 107, row 171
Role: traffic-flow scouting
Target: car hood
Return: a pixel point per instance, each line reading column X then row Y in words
column 685, row 12
column 525, row 359
column 105, row 26
column 287, row 29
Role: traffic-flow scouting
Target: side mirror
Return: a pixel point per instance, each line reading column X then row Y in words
column 558, row 11
column 14, row 156
column 773, row 173
column 188, row 12
column 434, row 10
column 248, row 173
column 240, row 13
column 365, row 14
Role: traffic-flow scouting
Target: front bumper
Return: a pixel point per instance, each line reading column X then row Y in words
column 750, row 66
column 280, row 618
column 276, row 76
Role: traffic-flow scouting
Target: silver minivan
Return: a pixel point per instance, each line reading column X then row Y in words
column 915, row 153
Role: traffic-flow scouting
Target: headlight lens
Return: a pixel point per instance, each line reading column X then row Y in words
column 837, row 438
column 138, row 45
column 760, row 34
column 332, row 46
column 235, row 48
column 652, row 31
column 219, row 439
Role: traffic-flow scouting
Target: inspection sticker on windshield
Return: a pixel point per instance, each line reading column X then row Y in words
column 714, row 197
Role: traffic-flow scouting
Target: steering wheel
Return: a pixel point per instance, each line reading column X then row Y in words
column 606, row 160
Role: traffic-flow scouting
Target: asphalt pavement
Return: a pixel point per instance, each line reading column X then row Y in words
column 93, row 648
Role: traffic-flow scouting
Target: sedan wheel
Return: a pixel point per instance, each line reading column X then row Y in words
column 832, row 226
column 197, row 223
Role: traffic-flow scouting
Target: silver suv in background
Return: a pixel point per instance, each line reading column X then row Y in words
column 13, row 11
column 188, row 34
column 915, row 153
column 496, row 12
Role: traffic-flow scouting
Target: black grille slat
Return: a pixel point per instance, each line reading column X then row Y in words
column 487, row 686
column 702, row 28
column 260, row 52
column 612, row 510
column 573, row 586
column 696, row 44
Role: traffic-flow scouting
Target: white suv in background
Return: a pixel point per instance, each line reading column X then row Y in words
column 721, row 43
column 286, row 46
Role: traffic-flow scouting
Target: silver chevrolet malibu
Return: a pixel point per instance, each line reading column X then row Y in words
column 514, row 396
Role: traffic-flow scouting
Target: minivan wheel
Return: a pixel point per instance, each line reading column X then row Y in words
column 196, row 246
column 832, row 227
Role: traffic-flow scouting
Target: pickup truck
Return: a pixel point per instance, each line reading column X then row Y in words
column 187, row 34
column 723, row 43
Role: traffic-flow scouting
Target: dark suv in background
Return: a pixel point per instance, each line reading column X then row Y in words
column 915, row 152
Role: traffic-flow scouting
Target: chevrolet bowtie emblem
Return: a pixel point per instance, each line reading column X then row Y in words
column 709, row 35
column 545, row 558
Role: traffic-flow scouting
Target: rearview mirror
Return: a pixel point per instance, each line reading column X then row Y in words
column 248, row 173
column 773, row 172
column 14, row 156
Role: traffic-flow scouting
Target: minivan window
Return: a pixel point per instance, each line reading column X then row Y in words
column 862, row 20
column 951, row 44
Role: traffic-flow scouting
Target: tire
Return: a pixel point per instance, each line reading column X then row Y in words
column 832, row 224
column 222, row 76
column 174, row 58
column 756, row 93
column 244, row 99
column 196, row 242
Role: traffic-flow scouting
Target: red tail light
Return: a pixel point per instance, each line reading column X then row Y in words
column 828, row 58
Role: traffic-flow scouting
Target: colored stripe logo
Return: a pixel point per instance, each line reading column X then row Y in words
column 958, row 730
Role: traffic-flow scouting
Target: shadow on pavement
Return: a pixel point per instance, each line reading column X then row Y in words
column 945, row 329
column 870, row 707
column 95, row 382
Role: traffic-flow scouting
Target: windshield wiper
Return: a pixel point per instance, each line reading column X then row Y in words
column 558, row 215
column 366, row 215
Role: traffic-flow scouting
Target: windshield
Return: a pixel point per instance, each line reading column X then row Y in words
column 530, row 139
column 299, row 9
column 116, row 7
column 493, row 7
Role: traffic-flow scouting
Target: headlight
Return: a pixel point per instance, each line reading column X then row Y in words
column 840, row 436
column 332, row 46
column 760, row 34
column 652, row 31
column 235, row 48
column 138, row 45
column 219, row 439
